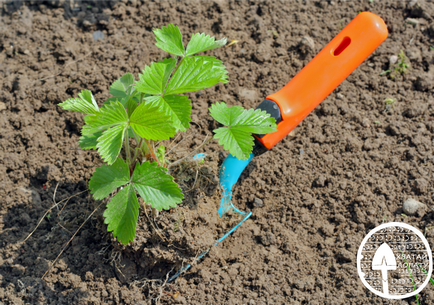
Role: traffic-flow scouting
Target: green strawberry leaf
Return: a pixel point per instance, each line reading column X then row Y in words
column 238, row 143
column 154, row 78
column 196, row 73
column 151, row 122
column 177, row 107
column 123, row 86
column 156, row 186
column 85, row 103
column 109, row 145
column 169, row 39
column 241, row 123
column 107, row 178
column 122, row 213
column 112, row 114
column 89, row 141
column 201, row 43
column 131, row 105
column 123, row 90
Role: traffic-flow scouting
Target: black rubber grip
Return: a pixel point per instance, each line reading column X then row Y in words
column 274, row 110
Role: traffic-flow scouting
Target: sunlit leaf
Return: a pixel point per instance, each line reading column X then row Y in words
column 177, row 107
column 110, row 143
column 85, row 103
column 169, row 39
column 151, row 122
column 108, row 178
column 123, row 86
column 156, row 186
column 241, row 123
column 110, row 115
column 201, row 43
column 196, row 73
column 153, row 79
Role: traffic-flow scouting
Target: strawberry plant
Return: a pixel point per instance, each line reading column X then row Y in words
column 126, row 128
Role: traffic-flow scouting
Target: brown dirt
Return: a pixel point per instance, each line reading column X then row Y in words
column 349, row 166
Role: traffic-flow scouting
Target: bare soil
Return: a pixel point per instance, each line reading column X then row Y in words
column 348, row 167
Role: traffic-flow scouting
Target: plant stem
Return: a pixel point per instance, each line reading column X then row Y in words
column 137, row 151
column 136, row 137
column 151, row 150
column 180, row 160
column 127, row 148
column 145, row 149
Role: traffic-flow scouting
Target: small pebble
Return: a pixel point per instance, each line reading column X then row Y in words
column 412, row 21
column 257, row 202
column 98, row 35
column 365, row 123
column 339, row 96
column 393, row 59
column 248, row 94
column 2, row 106
column 308, row 41
column 412, row 3
column 411, row 207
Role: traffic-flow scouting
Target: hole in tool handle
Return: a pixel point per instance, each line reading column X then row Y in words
column 342, row 46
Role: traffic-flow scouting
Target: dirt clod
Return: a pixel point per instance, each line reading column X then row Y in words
column 411, row 207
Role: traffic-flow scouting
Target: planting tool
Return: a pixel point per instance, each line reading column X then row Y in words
column 384, row 260
column 306, row 90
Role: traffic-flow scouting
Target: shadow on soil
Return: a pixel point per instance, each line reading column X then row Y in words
column 90, row 14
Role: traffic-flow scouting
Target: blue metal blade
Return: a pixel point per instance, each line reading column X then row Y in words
column 229, row 173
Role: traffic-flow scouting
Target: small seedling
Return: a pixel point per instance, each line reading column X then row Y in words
column 176, row 225
column 399, row 68
column 402, row 65
column 431, row 47
column 127, row 128
column 390, row 103
column 233, row 41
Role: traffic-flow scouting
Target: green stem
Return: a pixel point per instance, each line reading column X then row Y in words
column 189, row 155
column 137, row 151
column 136, row 137
column 127, row 148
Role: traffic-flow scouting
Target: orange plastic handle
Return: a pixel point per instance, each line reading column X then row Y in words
column 325, row 72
